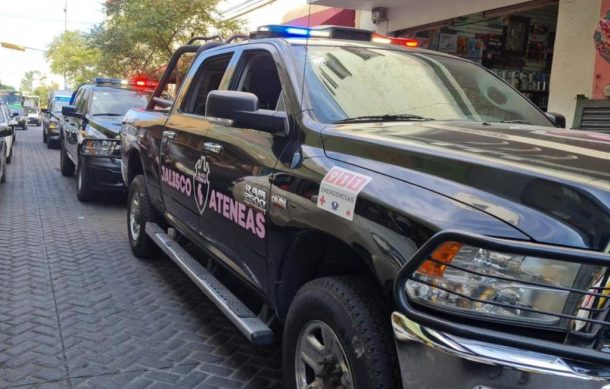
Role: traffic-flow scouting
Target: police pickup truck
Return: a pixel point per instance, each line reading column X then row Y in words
column 397, row 217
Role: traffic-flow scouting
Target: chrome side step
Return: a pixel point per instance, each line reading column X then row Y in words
column 240, row 315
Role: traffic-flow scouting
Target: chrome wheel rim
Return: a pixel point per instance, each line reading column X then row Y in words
column 134, row 217
column 320, row 360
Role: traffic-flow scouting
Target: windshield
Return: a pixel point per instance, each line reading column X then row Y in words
column 12, row 99
column 116, row 102
column 348, row 82
column 57, row 105
column 30, row 102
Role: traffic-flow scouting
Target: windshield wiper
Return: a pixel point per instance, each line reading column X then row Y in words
column 515, row 121
column 107, row 114
column 384, row 118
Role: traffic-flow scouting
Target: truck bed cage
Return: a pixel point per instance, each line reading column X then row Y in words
column 190, row 47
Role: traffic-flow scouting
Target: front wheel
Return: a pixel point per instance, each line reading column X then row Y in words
column 45, row 138
column 337, row 335
column 83, row 193
column 140, row 212
column 3, row 173
column 65, row 164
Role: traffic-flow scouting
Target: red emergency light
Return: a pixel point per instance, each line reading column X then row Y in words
column 143, row 82
column 406, row 42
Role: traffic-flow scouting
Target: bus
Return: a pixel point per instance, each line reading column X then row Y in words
column 14, row 100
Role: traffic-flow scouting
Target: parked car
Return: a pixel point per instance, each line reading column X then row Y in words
column 20, row 115
column 5, row 134
column 89, row 135
column 8, row 139
column 407, row 217
column 52, row 120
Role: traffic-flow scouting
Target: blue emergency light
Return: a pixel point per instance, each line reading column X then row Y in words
column 105, row 81
column 331, row 32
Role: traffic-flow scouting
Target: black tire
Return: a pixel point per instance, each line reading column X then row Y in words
column 45, row 138
column 141, row 244
column 3, row 174
column 356, row 315
column 65, row 164
column 83, row 192
column 10, row 156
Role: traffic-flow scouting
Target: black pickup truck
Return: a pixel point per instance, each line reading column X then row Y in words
column 397, row 217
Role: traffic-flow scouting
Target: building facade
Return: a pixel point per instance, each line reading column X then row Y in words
column 551, row 50
column 255, row 13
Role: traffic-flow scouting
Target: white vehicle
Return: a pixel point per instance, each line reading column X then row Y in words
column 12, row 123
column 31, row 107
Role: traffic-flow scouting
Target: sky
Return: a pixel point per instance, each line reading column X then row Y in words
column 34, row 23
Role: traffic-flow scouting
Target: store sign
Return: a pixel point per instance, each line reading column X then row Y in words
column 602, row 38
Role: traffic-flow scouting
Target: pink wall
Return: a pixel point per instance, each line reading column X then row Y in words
column 331, row 16
column 602, row 66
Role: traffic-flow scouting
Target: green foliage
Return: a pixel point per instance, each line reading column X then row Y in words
column 28, row 80
column 6, row 87
column 71, row 53
column 139, row 36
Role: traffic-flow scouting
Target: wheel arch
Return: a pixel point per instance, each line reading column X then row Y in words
column 314, row 254
column 135, row 165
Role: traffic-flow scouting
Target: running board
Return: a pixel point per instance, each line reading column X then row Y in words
column 240, row 315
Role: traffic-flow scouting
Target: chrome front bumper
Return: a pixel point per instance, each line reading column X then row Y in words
column 432, row 359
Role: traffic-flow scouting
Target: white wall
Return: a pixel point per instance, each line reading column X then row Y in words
column 574, row 55
column 413, row 13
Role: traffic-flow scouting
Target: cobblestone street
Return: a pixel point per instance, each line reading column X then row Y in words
column 78, row 310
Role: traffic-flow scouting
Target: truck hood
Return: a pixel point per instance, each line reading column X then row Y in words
column 553, row 185
column 106, row 126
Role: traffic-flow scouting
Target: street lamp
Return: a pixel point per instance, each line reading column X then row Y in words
column 12, row 46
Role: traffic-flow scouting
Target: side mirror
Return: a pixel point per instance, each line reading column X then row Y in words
column 12, row 122
column 5, row 131
column 240, row 109
column 15, row 114
column 44, row 110
column 558, row 119
column 70, row 110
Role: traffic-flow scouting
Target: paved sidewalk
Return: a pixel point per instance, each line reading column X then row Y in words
column 77, row 309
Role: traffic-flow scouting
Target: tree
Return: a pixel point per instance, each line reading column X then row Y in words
column 28, row 80
column 44, row 91
column 71, row 53
column 139, row 36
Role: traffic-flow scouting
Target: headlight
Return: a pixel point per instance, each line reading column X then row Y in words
column 52, row 125
column 502, row 286
column 99, row 147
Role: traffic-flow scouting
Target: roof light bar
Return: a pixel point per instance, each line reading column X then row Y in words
column 405, row 42
column 138, row 82
column 336, row 32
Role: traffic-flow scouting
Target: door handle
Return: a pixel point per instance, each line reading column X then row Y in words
column 213, row 147
column 169, row 134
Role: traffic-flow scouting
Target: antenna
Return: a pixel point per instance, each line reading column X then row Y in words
column 306, row 55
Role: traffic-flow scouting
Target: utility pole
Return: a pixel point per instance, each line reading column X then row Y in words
column 65, row 30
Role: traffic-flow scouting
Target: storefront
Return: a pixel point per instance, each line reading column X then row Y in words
column 544, row 48
column 516, row 45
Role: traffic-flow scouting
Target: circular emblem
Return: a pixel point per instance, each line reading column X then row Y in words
column 201, row 184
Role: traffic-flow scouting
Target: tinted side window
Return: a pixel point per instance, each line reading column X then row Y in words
column 259, row 76
column 207, row 79
column 76, row 100
column 82, row 105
